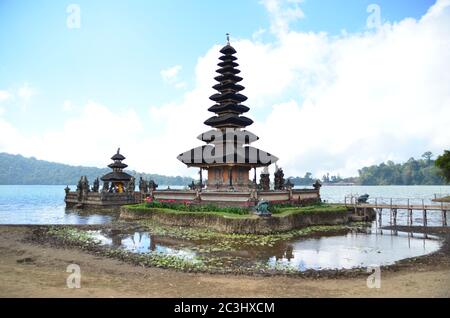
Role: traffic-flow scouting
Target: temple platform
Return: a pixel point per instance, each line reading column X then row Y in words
column 216, row 198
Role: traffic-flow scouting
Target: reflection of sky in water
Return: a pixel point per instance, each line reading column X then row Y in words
column 337, row 252
column 354, row 250
column 141, row 242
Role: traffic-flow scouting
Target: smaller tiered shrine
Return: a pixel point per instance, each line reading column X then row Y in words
column 119, row 188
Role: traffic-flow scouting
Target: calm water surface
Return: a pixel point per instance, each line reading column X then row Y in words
column 29, row 204
column 45, row 204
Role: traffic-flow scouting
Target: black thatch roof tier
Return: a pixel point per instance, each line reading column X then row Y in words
column 228, row 70
column 228, row 86
column 228, row 64
column 228, row 58
column 229, row 120
column 116, row 176
column 228, row 97
column 228, row 50
column 237, row 136
column 228, row 77
column 118, row 156
column 247, row 155
column 118, row 165
column 232, row 108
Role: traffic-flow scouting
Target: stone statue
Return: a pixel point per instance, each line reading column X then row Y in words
column 152, row 185
column 85, row 186
column 279, row 179
column 96, row 185
column 67, row 190
column 80, row 189
column 289, row 185
column 363, row 198
column 105, row 186
column 262, row 208
column 264, row 181
column 131, row 185
column 142, row 185
column 317, row 185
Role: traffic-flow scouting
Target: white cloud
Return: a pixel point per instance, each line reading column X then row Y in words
column 25, row 92
column 171, row 76
column 282, row 13
column 67, row 106
column 4, row 95
column 89, row 138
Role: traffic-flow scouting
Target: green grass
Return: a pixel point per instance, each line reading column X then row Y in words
column 188, row 207
column 278, row 211
column 319, row 208
column 144, row 208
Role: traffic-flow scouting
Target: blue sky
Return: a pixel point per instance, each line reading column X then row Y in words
column 117, row 56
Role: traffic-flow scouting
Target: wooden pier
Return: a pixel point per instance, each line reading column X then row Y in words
column 379, row 204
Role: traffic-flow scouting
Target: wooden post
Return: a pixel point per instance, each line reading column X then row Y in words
column 380, row 216
column 444, row 215
column 424, row 214
column 409, row 214
column 395, row 217
column 390, row 213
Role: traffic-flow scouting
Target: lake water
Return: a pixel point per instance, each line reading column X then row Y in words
column 26, row 204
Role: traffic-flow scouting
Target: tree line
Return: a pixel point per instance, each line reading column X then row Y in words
column 424, row 171
column 16, row 169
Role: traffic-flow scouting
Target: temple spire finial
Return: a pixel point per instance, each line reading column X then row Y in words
column 228, row 38
column 118, row 150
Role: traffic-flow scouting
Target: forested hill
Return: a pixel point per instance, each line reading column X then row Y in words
column 16, row 169
column 412, row 172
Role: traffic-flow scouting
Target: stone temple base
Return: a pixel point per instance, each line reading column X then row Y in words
column 218, row 198
column 238, row 198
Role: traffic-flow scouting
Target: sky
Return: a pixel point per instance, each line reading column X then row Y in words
column 332, row 85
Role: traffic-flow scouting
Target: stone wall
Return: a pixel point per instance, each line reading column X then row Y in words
column 249, row 225
column 100, row 200
column 238, row 198
column 218, row 198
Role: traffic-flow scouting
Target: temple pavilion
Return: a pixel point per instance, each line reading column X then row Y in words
column 227, row 156
column 117, row 179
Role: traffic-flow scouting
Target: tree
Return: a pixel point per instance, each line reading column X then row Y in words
column 427, row 156
column 443, row 163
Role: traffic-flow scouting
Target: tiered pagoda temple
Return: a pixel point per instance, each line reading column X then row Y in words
column 227, row 157
column 117, row 180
